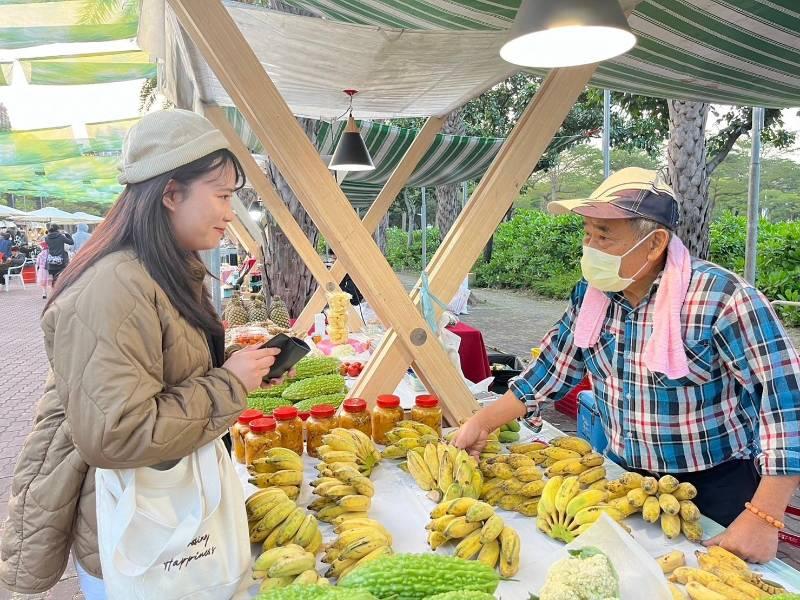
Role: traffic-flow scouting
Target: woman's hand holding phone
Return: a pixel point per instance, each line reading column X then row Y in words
column 251, row 364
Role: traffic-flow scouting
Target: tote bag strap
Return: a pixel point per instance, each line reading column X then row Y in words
column 207, row 489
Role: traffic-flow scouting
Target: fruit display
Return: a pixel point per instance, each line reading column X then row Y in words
column 349, row 447
column 509, row 433
column 275, row 520
column 360, row 541
column 512, row 482
column 351, row 369
column 483, row 534
column 493, row 446
column 236, row 312
column 278, row 313
column 418, row 576
column 284, row 566
column 257, row 311
column 586, row 573
column 566, row 511
column 444, row 471
column 722, row 575
column 313, row 387
column 338, row 329
column 406, row 436
column 342, row 490
column 280, row 468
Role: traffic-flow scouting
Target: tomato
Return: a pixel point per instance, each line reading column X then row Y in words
column 353, row 371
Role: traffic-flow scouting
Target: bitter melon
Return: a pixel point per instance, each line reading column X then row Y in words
column 266, row 404
column 313, row 387
column 315, row 592
column 315, row 366
column 334, row 400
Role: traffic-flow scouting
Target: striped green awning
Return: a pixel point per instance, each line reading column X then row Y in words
column 88, row 68
column 743, row 52
column 5, row 73
column 33, row 23
column 88, row 178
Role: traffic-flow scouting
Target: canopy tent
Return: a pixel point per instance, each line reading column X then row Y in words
column 7, row 211
column 87, row 218
column 49, row 214
column 84, row 69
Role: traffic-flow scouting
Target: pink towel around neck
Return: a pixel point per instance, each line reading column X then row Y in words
column 664, row 351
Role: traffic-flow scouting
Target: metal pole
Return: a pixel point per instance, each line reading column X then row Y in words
column 606, row 133
column 424, row 223
column 753, row 210
column 211, row 258
column 463, row 194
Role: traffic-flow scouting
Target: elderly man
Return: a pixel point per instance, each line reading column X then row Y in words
column 14, row 259
column 692, row 372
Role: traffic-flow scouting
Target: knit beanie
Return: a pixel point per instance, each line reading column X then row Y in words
column 165, row 140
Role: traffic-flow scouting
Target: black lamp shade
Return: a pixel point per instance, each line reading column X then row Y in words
column 564, row 33
column 351, row 153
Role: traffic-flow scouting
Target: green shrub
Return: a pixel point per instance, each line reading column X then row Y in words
column 405, row 258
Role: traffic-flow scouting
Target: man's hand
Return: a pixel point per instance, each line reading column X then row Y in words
column 750, row 538
column 472, row 436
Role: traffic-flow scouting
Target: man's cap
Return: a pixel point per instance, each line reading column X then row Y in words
column 630, row 193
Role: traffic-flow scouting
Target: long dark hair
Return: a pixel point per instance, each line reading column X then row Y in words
column 140, row 222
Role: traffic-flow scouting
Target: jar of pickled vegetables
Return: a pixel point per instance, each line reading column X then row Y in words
column 240, row 429
column 427, row 410
column 261, row 437
column 356, row 415
column 385, row 416
column 290, row 428
column 322, row 420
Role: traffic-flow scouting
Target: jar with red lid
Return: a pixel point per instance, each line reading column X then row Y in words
column 427, row 410
column 290, row 428
column 322, row 420
column 385, row 416
column 240, row 429
column 261, row 437
column 356, row 415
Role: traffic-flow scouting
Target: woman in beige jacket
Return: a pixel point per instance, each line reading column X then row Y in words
column 135, row 348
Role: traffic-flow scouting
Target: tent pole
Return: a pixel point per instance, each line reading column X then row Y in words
column 424, row 225
column 606, row 133
column 753, row 208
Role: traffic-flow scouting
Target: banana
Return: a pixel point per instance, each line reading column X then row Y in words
column 501, row 470
column 259, row 508
column 569, row 489
column 520, row 461
column 282, row 459
column 511, row 486
column 509, row 552
column 272, row 583
column 343, row 526
column 568, row 466
column 479, row 511
column 593, row 459
column 374, row 555
column 547, row 504
column 685, row 491
column 728, row 558
column 306, row 578
column 259, row 497
column 527, row 474
column 668, row 484
column 320, row 503
column 359, row 549
column 431, row 457
column 305, row 533
column 650, row 485
column 292, row 491
column 336, row 490
column 693, row 530
column 698, row 591
column 651, row 510
column 445, row 478
column 436, row 539
column 532, row 489
column 573, row 443
column 260, row 466
column 671, row 561
column 324, row 480
column 336, row 456
column 440, row 523
column 420, row 428
column 689, row 511
column 677, row 594
column 271, row 520
column 526, row 447
column 355, row 503
column 399, row 433
column 418, row 469
column 624, row 506
column 469, row 547
column 491, row 529
column 590, row 514
column 600, row 484
column 529, row 508
column 637, row 497
column 616, row 489
column 731, row 578
column 339, row 439
column 559, row 454
column 511, row 501
column 329, row 513
column 591, row 475
column 393, row 451
column 459, row 528
column 669, row 504
column 292, row 565
column 631, row 480
column 473, row 488
column 670, row 525
column 266, row 559
column 288, row 529
column 454, row 491
column 442, row 509
column 489, row 554
column 286, row 478
column 316, row 543
column 584, row 500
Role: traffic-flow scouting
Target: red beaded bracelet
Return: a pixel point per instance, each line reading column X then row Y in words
column 762, row 515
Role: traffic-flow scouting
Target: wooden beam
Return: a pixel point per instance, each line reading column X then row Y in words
column 490, row 201
column 230, row 57
column 394, row 185
column 279, row 211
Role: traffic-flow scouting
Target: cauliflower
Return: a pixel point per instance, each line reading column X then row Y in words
column 586, row 575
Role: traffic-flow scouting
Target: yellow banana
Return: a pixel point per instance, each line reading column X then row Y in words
column 569, row 489
column 520, row 461
column 650, row 485
column 459, row 528
column 631, row 480
column 393, row 451
column 590, row 514
column 347, row 516
column 491, row 529
column 339, row 439
column 600, row 484
column 442, row 509
column 288, row 529
column 671, row 561
column 271, row 520
column 440, row 523
column 306, row 578
column 305, row 533
column 591, row 475
column 418, row 469
column 685, row 491
column 361, row 548
column 445, row 478
column 454, row 491
column 266, row 559
column 524, row 448
column 529, row 508
column 584, row 500
column 272, row 583
column 693, row 530
column 337, row 490
column 547, row 506
column 593, row 459
column 479, row 511
column 728, row 558
column 559, row 454
column 637, row 497
column 532, row 489
column 501, row 470
column 436, row 539
column 293, row 565
column 489, row 554
column 670, row 525
column 616, row 489
column 292, row 491
column 573, row 443
column 698, row 591
column 624, row 506
column 509, row 552
column 511, row 486
column 528, row 474
column 668, row 484
column 651, row 510
column 431, row 457
column 355, row 503
column 511, row 501
column 261, row 506
column 569, row 466
column 669, row 504
column 329, row 513
column 469, row 547
column 316, row 543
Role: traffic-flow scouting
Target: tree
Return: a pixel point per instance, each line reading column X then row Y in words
column 448, row 197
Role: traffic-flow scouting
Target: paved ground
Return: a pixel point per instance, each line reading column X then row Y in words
column 511, row 321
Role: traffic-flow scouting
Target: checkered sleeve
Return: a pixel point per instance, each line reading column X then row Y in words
column 758, row 351
column 559, row 367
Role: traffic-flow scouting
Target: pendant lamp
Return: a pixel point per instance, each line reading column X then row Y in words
column 566, row 33
column 351, row 153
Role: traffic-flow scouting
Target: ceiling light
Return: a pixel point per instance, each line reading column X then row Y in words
column 351, row 152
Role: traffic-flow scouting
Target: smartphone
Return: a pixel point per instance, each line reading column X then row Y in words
column 292, row 350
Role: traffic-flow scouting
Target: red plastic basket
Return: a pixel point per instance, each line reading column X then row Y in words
column 568, row 405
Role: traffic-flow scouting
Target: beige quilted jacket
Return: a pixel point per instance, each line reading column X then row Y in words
column 131, row 384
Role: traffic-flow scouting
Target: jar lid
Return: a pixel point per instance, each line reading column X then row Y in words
column 304, row 414
column 262, row 425
column 285, row 413
column 354, row 405
column 323, row 411
column 388, row 401
column 427, row 401
column 251, row 414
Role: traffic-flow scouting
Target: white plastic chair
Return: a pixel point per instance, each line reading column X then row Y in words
column 15, row 273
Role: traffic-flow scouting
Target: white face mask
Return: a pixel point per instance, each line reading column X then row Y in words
column 601, row 269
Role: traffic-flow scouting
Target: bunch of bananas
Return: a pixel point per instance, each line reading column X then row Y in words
column 664, row 500
column 286, row 565
column 483, row 534
column 342, row 489
column 493, row 446
column 281, row 468
column 361, row 540
column 512, row 482
column 566, row 511
column 407, row 435
column 445, row 472
column 509, row 433
column 274, row 519
column 722, row 575
column 351, row 447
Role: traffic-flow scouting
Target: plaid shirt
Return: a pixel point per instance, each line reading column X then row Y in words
column 740, row 400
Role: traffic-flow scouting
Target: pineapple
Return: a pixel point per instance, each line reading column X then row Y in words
column 278, row 313
column 258, row 310
column 236, row 313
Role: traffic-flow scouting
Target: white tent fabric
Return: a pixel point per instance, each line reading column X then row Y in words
column 398, row 73
column 48, row 214
column 7, row 211
column 87, row 218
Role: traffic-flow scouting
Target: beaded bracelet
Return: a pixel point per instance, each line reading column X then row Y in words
column 762, row 515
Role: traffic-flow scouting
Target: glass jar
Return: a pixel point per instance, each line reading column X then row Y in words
column 384, row 418
column 290, row 428
column 240, row 429
column 322, row 420
column 356, row 415
column 261, row 437
column 427, row 410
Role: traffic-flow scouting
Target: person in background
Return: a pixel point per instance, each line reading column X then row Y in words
column 80, row 237
column 57, row 257
column 5, row 244
column 14, row 259
column 43, row 277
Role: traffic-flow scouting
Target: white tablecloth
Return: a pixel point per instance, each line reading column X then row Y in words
column 404, row 510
